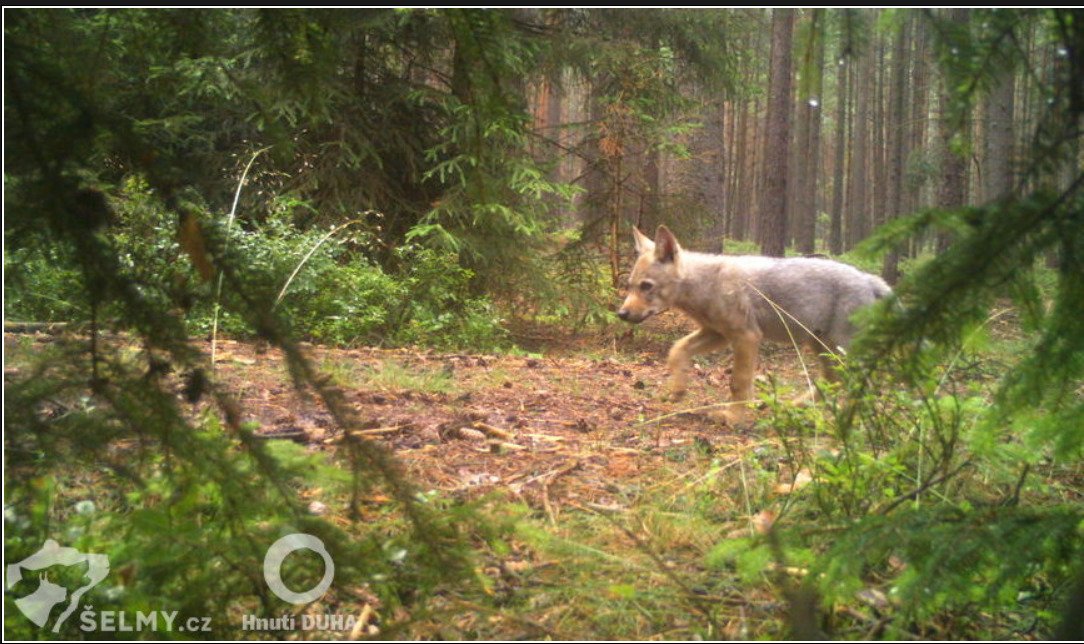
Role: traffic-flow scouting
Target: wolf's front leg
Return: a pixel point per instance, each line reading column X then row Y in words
column 737, row 412
column 746, row 348
column 681, row 355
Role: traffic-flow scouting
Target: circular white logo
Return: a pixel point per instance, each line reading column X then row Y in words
column 277, row 553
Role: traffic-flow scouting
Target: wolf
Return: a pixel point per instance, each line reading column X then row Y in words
column 740, row 300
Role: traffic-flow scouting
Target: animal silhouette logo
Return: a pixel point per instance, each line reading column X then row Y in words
column 38, row 605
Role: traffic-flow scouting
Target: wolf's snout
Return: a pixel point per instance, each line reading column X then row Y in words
column 630, row 315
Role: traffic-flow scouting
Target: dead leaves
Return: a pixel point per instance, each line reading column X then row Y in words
column 552, row 431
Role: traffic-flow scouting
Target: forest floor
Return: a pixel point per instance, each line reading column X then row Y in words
column 574, row 441
column 572, row 424
column 618, row 497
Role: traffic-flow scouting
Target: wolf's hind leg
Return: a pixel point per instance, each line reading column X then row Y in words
column 829, row 367
column 681, row 355
column 829, row 371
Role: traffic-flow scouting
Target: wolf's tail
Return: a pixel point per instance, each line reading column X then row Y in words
column 880, row 288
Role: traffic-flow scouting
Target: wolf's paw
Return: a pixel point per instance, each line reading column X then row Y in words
column 673, row 395
column 737, row 415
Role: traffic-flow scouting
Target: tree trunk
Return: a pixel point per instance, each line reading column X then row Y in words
column 811, row 106
column 595, row 183
column 835, row 240
column 735, row 159
column 879, row 141
column 898, row 140
column 797, row 161
column 916, row 193
column 998, row 175
column 858, row 211
column 773, row 215
column 952, row 192
column 920, row 105
column 713, row 171
column 751, row 191
column 745, row 181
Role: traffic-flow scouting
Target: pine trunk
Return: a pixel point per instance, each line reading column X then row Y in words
column 858, row 211
column 811, row 106
column 898, row 141
column 952, row 192
column 998, row 175
column 839, row 170
column 773, row 215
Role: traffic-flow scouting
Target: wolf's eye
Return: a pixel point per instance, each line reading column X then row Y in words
column 646, row 285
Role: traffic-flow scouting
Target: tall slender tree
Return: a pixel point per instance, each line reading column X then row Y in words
column 999, row 140
column 857, row 220
column 952, row 139
column 773, row 215
column 810, row 106
column 898, row 140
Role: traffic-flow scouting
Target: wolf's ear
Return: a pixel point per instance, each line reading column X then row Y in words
column 666, row 245
column 643, row 242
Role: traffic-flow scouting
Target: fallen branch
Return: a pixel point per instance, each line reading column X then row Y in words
column 548, row 480
column 362, row 626
column 494, row 432
column 380, row 431
column 367, row 433
column 498, row 446
column 34, row 327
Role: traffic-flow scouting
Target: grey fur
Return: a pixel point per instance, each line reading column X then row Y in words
column 744, row 299
column 806, row 300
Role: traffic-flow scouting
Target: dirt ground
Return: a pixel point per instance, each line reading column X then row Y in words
column 571, row 419
column 569, row 422
column 566, row 424
column 567, row 428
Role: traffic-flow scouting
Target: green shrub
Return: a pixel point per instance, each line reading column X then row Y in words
column 438, row 309
column 41, row 284
column 338, row 295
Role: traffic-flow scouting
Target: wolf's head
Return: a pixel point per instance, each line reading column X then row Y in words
column 655, row 276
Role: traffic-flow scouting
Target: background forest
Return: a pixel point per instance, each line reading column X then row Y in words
column 461, row 185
